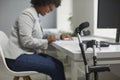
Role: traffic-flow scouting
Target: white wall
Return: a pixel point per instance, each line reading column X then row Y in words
column 63, row 13
column 9, row 10
column 82, row 12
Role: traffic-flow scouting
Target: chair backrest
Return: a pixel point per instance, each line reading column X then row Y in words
column 3, row 66
column 3, row 43
column 3, row 39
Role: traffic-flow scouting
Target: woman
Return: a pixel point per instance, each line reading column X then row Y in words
column 26, row 46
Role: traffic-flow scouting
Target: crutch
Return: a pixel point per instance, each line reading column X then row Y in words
column 94, row 68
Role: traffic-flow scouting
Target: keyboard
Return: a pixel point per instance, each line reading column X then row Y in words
column 114, row 43
column 110, row 43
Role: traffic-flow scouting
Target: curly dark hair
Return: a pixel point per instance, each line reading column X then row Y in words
column 45, row 2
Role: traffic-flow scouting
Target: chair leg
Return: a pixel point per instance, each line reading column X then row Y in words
column 16, row 78
column 26, row 78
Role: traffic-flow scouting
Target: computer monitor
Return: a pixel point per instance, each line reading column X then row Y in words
column 109, row 15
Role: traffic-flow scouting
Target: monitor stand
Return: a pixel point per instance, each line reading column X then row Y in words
column 118, row 35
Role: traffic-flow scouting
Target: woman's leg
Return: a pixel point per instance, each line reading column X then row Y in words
column 42, row 63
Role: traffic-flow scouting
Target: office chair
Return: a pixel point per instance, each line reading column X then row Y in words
column 93, row 44
column 3, row 66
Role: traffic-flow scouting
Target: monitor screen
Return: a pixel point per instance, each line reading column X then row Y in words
column 108, row 14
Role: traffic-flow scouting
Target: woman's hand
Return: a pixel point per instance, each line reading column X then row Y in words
column 66, row 36
column 51, row 38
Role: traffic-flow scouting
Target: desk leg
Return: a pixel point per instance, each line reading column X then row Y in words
column 74, row 71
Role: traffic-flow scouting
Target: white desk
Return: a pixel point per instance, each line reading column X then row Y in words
column 110, row 55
